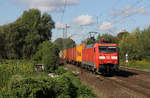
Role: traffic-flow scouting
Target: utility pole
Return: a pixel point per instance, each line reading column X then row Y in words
column 97, row 20
column 65, row 30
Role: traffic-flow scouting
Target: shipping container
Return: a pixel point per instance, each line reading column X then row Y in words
column 79, row 53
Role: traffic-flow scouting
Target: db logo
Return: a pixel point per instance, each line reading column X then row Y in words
column 107, row 57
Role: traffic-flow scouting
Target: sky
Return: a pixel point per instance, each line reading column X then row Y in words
column 83, row 16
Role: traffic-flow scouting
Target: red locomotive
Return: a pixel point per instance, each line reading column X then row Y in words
column 99, row 57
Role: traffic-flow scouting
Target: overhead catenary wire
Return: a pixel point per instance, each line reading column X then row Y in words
column 63, row 11
column 117, row 21
column 134, row 5
column 62, row 17
column 112, row 7
column 116, row 3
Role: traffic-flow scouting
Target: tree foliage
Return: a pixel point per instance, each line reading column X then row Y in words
column 21, row 38
column 144, row 43
column 136, row 44
column 92, row 40
column 89, row 41
column 64, row 43
column 130, row 46
column 47, row 54
column 109, row 37
column 121, row 35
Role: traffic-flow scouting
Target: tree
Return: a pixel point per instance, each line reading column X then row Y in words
column 2, row 43
column 144, row 42
column 64, row 43
column 23, row 36
column 89, row 41
column 109, row 37
column 130, row 46
column 121, row 35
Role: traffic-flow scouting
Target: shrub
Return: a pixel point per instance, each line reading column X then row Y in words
column 17, row 81
column 65, row 88
column 66, row 85
column 48, row 54
column 60, row 71
column 70, row 85
column 31, row 88
column 85, row 92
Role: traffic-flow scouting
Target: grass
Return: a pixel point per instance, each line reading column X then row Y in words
column 141, row 65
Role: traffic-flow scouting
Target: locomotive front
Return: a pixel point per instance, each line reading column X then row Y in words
column 108, row 58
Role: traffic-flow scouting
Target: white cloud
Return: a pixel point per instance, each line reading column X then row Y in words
column 59, row 25
column 106, row 26
column 141, row 10
column 84, row 20
column 128, row 11
column 47, row 5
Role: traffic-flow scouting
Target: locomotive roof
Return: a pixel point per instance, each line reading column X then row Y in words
column 101, row 44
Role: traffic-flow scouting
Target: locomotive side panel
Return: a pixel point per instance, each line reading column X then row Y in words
column 88, row 57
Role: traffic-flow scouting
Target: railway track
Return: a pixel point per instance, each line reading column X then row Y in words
column 128, row 79
column 134, row 86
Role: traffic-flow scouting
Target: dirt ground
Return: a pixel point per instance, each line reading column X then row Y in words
column 112, row 87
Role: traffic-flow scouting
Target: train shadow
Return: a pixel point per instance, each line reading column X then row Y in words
column 121, row 73
column 125, row 73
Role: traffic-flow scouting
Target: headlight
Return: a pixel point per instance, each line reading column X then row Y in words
column 101, row 57
column 114, row 57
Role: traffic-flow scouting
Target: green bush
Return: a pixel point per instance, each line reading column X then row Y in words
column 18, row 80
column 31, row 88
column 48, row 54
column 85, row 92
column 66, row 85
column 60, row 71
column 65, row 88
column 71, row 86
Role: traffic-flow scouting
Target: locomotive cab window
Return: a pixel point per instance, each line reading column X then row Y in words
column 103, row 49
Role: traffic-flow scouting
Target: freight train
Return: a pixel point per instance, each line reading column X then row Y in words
column 99, row 57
